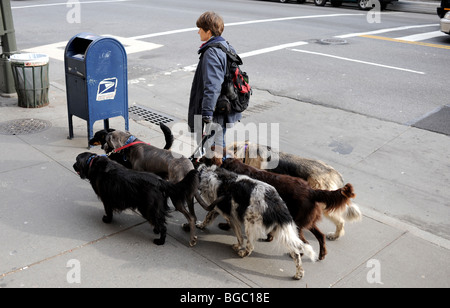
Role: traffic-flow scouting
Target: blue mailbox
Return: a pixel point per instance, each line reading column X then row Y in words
column 96, row 80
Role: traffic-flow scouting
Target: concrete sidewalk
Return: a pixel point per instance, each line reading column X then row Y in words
column 52, row 235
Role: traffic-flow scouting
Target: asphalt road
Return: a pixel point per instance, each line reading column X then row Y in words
column 379, row 76
column 392, row 66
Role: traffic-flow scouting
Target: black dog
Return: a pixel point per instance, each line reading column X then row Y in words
column 120, row 188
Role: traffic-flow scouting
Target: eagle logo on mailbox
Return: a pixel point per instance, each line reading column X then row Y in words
column 107, row 89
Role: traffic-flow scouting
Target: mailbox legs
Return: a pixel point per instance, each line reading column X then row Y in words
column 70, row 127
column 90, row 128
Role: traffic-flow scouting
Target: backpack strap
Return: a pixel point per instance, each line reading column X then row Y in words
column 233, row 56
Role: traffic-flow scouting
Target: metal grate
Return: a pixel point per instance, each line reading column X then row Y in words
column 24, row 126
column 332, row 41
column 259, row 108
column 143, row 113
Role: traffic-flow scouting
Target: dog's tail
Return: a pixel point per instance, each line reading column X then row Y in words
column 167, row 135
column 352, row 212
column 334, row 200
column 186, row 188
column 287, row 235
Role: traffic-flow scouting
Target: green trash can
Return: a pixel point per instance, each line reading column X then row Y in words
column 30, row 71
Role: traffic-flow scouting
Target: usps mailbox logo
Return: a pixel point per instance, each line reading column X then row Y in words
column 107, row 89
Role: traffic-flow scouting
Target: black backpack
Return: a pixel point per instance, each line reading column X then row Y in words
column 236, row 91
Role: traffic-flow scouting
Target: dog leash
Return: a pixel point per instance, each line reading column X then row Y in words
column 129, row 145
column 245, row 152
column 200, row 148
column 130, row 142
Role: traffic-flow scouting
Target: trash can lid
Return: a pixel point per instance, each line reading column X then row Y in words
column 30, row 59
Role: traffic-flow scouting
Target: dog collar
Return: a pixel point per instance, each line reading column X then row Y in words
column 91, row 159
column 130, row 140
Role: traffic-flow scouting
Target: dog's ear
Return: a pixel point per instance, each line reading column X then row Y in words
column 99, row 137
column 105, row 146
column 113, row 141
column 108, row 146
column 81, row 166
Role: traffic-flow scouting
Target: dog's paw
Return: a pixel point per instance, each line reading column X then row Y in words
column 243, row 253
column 236, row 247
column 159, row 241
column 269, row 238
column 200, row 225
column 107, row 219
column 332, row 236
column 299, row 275
column 322, row 256
column 193, row 242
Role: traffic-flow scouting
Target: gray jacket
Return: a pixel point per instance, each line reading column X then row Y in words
column 207, row 84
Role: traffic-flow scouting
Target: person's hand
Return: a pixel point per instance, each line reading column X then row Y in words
column 206, row 119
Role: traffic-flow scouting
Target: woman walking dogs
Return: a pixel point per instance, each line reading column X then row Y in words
column 207, row 83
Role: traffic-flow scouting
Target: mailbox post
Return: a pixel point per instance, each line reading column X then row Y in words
column 96, row 80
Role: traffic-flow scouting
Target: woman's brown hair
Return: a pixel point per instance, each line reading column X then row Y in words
column 211, row 21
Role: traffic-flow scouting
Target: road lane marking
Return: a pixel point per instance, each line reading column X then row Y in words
column 240, row 23
column 63, row 3
column 193, row 67
column 289, row 18
column 386, row 30
column 271, row 49
column 406, row 42
column 140, row 37
column 422, row 36
column 359, row 61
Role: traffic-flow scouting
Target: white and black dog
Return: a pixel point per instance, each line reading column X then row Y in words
column 255, row 204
